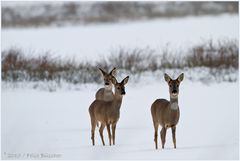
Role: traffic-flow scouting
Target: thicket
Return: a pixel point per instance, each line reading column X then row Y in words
column 18, row 66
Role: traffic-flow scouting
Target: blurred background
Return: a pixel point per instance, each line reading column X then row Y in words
column 65, row 42
column 39, row 14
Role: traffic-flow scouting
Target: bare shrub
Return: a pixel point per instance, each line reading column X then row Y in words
column 224, row 54
column 133, row 60
column 220, row 57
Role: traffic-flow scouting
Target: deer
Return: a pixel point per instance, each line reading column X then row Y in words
column 166, row 113
column 107, row 112
column 106, row 93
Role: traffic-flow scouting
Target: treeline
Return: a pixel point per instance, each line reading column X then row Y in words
column 18, row 66
column 29, row 14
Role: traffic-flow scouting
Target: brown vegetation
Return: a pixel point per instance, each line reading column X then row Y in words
column 17, row 66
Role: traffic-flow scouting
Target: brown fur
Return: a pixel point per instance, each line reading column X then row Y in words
column 107, row 112
column 106, row 93
column 166, row 113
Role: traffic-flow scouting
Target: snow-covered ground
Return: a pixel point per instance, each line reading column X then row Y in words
column 92, row 41
column 38, row 122
column 200, row 74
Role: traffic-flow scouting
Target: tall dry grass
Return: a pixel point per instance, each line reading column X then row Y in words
column 17, row 66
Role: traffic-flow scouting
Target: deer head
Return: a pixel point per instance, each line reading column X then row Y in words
column 120, row 87
column 107, row 77
column 173, row 84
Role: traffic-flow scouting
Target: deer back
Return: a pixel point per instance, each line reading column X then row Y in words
column 104, row 94
column 163, row 114
column 109, row 111
column 104, row 111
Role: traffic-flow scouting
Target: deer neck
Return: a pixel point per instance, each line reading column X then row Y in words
column 174, row 103
column 108, row 91
column 117, row 101
column 108, row 88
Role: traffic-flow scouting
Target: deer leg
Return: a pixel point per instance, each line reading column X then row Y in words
column 163, row 136
column 113, row 132
column 155, row 134
column 109, row 134
column 93, row 123
column 174, row 136
column 101, row 132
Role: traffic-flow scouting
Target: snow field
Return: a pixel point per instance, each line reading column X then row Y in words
column 58, row 122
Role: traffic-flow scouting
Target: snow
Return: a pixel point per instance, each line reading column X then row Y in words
column 37, row 122
column 92, row 41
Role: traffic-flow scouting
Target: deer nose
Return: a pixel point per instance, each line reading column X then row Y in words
column 123, row 92
column 174, row 91
column 106, row 83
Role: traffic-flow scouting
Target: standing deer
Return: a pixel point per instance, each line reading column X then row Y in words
column 166, row 113
column 106, row 93
column 107, row 112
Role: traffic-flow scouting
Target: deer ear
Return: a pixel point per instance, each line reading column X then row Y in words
column 102, row 71
column 166, row 77
column 180, row 77
column 113, row 72
column 114, row 80
column 125, row 80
